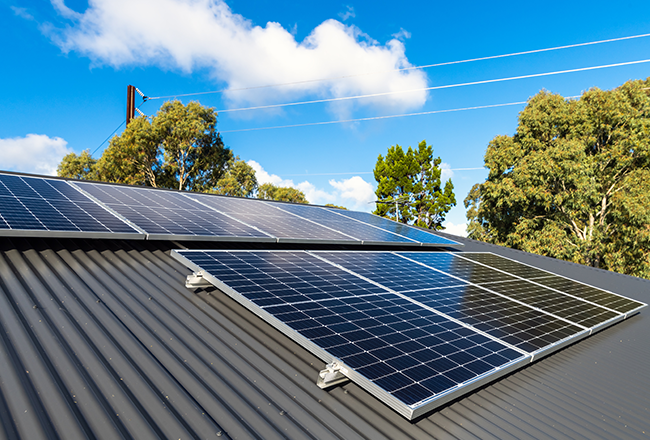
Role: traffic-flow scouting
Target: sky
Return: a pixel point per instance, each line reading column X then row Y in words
column 67, row 64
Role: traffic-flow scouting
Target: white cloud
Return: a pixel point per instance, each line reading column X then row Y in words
column 22, row 12
column 356, row 193
column 34, row 153
column 445, row 172
column 353, row 193
column 459, row 229
column 195, row 34
column 348, row 13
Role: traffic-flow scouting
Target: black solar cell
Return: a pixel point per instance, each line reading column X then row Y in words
column 32, row 203
column 417, row 325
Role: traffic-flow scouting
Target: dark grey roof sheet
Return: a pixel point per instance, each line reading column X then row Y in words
column 101, row 338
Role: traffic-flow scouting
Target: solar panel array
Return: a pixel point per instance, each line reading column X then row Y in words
column 416, row 329
column 170, row 214
column 30, row 205
column 55, row 207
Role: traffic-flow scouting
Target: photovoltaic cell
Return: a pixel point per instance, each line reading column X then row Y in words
column 40, row 204
column 506, row 265
column 395, row 227
column 592, row 294
column 459, row 267
column 550, row 301
column 410, row 352
column 408, row 330
column 565, row 285
column 510, row 321
column 390, row 270
column 362, row 231
column 513, row 322
column 162, row 213
column 274, row 222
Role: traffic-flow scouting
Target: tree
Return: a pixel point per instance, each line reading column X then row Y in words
column 134, row 157
column 409, row 187
column 238, row 180
column 268, row 191
column 179, row 148
column 77, row 167
column 573, row 182
column 194, row 155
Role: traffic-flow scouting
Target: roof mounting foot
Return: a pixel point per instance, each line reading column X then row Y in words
column 333, row 374
column 196, row 280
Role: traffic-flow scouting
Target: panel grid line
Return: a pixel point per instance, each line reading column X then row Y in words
column 550, row 275
column 227, row 215
column 423, row 305
column 106, row 207
column 491, row 291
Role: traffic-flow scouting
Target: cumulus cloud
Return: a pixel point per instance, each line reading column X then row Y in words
column 34, row 153
column 356, row 192
column 456, row 229
column 353, row 193
column 207, row 34
column 445, row 172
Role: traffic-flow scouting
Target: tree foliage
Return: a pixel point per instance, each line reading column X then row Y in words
column 179, row 148
column 268, row 191
column 413, row 180
column 78, row 167
column 238, row 180
column 331, row 205
column 573, row 182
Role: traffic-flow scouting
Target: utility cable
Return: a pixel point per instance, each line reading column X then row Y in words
column 122, row 123
column 403, row 115
column 376, row 117
column 447, row 86
column 470, row 60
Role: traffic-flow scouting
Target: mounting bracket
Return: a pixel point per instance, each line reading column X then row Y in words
column 196, row 280
column 333, row 374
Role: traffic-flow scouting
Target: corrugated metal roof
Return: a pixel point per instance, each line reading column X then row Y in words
column 101, row 339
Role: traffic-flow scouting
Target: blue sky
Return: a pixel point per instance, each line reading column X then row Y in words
column 66, row 66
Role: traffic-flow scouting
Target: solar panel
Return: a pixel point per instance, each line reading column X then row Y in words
column 283, row 225
column 510, row 320
column 413, row 328
column 169, row 214
column 53, row 207
column 576, row 289
column 424, row 237
column 362, row 231
column 409, row 355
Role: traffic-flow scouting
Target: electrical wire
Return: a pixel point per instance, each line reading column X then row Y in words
column 369, row 172
column 109, row 136
column 447, row 86
column 470, row 60
column 376, row 117
column 121, row 124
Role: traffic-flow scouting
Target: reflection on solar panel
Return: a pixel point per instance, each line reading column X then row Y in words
column 364, row 232
column 416, row 329
column 426, row 238
column 167, row 213
column 408, row 354
column 38, row 204
column 277, row 223
column 582, row 291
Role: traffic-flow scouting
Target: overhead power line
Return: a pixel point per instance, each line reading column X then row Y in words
column 403, row 115
column 375, row 117
column 447, row 86
column 369, row 172
column 426, row 66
